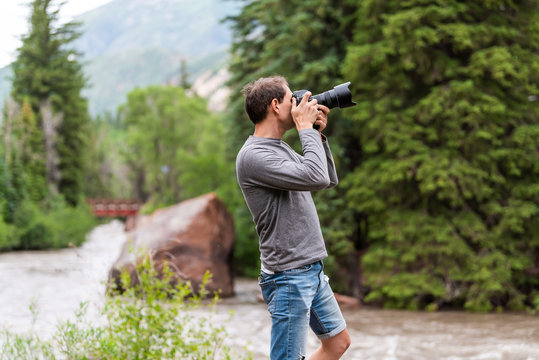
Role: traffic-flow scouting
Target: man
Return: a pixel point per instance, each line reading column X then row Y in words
column 276, row 183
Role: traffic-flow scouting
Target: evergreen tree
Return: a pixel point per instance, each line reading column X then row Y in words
column 46, row 69
column 30, row 153
column 10, row 194
column 22, row 155
column 7, row 231
column 448, row 121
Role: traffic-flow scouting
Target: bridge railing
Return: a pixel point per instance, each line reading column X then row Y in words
column 114, row 207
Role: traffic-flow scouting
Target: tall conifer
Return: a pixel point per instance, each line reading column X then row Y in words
column 32, row 153
column 46, row 69
column 449, row 121
column 440, row 164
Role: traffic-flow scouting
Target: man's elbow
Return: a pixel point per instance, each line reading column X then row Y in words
column 321, row 182
column 333, row 183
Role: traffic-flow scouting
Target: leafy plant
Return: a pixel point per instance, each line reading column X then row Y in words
column 155, row 317
column 52, row 225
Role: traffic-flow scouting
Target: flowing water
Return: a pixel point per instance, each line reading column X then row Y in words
column 55, row 282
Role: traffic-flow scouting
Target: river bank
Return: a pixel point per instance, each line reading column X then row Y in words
column 57, row 281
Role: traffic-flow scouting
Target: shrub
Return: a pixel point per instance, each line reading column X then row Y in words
column 8, row 239
column 54, row 225
column 155, row 319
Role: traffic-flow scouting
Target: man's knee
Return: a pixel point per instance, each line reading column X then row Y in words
column 338, row 344
column 344, row 342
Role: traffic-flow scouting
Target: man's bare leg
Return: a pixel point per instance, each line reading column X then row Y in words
column 333, row 348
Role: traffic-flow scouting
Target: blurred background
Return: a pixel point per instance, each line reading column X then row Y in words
column 438, row 202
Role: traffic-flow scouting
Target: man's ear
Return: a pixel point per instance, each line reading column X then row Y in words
column 275, row 105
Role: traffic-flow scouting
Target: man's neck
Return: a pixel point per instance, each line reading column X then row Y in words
column 269, row 129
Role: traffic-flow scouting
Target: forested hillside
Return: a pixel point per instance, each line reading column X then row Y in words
column 133, row 43
column 130, row 43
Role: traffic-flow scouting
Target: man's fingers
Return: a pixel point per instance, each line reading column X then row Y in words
column 306, row 97
column 323, row 108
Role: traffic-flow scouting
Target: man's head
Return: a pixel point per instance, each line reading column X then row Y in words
column 260, row 94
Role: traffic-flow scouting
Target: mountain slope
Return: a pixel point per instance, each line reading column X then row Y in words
column 192, row 28
column 135, row 43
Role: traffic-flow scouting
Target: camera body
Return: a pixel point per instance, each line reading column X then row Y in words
column 340, row 96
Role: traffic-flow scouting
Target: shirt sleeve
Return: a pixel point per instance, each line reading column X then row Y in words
column 264, row 166
column 332, row 171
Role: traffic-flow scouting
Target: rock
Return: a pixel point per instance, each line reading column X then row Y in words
column 193, row 236
column 211, row 85
column 132, row 222
column 347, row 302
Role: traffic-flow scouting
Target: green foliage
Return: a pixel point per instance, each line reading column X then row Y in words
column 9, row 196
column 23, row 163
column 46, row 69
column 8, row 239
column 449, row 174
column 54, row 225
column 107, row 173
column 30, row 216
column 438, row 162
column 25, row 347
column 26, row 151
column 174, row 145
column 155, row 320
column 152, row 320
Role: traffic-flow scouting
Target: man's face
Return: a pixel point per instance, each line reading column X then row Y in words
column 286, row 106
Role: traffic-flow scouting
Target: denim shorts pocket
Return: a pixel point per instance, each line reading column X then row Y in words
column 299, row 270
column 269, row 293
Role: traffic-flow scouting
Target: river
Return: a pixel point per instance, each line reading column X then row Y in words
column 57, row 281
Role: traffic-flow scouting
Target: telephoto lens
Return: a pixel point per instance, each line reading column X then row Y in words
column 340, row 96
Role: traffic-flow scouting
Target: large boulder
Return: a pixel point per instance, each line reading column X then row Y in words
column 193, row 236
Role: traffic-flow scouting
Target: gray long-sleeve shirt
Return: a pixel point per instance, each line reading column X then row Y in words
column 276, row 183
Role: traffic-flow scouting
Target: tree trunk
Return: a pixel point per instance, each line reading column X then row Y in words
column 50, row 123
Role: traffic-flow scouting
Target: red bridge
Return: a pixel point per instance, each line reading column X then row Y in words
column 114, row 207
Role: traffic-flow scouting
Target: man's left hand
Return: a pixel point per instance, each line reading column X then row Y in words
column 322, row 118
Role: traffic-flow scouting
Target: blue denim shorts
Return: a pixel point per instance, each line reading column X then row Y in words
column 296, row 299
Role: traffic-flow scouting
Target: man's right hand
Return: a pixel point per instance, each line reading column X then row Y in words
column 304, row 114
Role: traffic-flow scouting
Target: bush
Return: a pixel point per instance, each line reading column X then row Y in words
column 8, row 240
column 55, row 225
column 151, row 320
column 34, row 228
column 74, row 222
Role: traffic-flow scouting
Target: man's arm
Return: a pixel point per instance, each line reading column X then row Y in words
column 264, row 166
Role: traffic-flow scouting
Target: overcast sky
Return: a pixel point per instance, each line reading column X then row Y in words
column 14, row 22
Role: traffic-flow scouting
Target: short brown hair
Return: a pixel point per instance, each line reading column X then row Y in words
column 259, row 94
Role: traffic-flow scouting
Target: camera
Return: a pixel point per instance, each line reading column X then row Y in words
column 340, row 96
